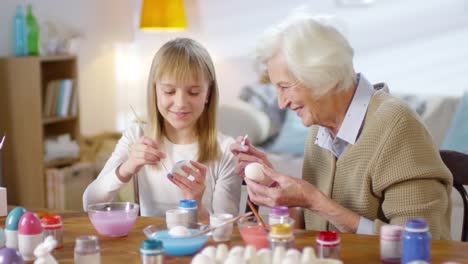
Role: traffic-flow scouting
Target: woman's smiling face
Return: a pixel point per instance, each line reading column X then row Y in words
column 291, row 93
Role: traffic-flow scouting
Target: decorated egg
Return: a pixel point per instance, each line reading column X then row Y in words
column 11, row 222
column 10, row 256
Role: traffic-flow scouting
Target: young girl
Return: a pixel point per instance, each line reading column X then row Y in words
column 182, row 103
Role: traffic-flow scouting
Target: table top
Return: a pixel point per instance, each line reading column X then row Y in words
column 354, row 248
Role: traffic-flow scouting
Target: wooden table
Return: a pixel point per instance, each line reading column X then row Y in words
column 354, row 248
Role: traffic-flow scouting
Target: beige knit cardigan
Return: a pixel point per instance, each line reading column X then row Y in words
column 392, row 173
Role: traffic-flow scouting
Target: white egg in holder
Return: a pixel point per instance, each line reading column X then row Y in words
column 254, row 171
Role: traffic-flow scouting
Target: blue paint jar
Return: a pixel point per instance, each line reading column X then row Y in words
column 416, row 241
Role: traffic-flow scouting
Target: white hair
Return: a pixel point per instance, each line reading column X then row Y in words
column 315, row 52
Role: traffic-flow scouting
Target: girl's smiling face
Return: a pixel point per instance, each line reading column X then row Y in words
column 181, row 103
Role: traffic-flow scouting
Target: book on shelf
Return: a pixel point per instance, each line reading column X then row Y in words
column 60, row 97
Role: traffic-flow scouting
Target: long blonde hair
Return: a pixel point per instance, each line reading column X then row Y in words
column 183, row 58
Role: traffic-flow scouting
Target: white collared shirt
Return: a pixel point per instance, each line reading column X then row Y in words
column 349, row 132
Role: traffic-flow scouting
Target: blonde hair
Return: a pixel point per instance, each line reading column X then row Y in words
column 315, row 52
column 182, row 59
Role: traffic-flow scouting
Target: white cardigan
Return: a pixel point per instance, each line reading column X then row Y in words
column 157, row 194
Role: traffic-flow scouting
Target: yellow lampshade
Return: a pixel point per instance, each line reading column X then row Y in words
column 162, row 14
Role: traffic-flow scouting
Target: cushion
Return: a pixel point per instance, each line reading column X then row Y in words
column 457, row 133
column 239, row 118
column 263, row 97
column 292, row 136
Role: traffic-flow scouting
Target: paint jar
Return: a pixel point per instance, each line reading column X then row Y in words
column 191, row 207
column 390, row 243
column 52, row 225
column 87, row 250
column 328, row 245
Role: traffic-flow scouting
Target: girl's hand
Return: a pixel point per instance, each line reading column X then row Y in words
column 247, row 154
column 191, row 188
column 144, row 152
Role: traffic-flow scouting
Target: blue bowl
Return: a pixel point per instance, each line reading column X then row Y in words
column 180, row 246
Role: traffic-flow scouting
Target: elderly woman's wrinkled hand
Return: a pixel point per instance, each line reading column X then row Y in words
column 245, row 154
column 285, row 191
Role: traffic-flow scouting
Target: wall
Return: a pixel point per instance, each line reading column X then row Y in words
column 416, row 46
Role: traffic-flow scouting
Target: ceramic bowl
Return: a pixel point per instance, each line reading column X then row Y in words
column 113, row 219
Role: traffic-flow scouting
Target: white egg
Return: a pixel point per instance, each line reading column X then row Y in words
column 278, row 255
column 221, row 253
column 202, row 259
column 308, row 255
column 254, row 171
column 237, row 250
column 179, row 231
column 250, row 255
column 234, row 259
column 178, row 167
column 264, row 256
column 294, row 253
column 209, row 251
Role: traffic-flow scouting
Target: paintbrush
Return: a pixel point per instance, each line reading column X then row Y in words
column 139, row 124
column 254, row 211
column 222, row 224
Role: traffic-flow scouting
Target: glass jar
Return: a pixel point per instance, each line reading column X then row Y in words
column 328, row 245
column 191, row 207
column 87, row 250
column 278, row 215
column 416, row 241
column 151, row 251
column 52, row 225
column 281, row 235
column 390, row 243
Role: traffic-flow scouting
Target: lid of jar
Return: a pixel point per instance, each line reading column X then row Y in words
column 416, row 225
column 391, row 231
column 280, row 229
column 151, row 244
column 187, row 204
column 328, row 237
column 87, row 244
column 279, row 210
column 49, row 220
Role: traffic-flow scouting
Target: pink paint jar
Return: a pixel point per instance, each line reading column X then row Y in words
column 390, row 243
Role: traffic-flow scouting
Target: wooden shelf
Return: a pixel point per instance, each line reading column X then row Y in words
column 58, row 119
column 60, row 57
column 61, row 162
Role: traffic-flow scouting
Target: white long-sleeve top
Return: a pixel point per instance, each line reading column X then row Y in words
column 156, row 193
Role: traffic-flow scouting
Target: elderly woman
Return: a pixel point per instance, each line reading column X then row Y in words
column 368, row 159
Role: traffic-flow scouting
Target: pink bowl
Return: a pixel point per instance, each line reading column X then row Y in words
column 252, row 233
column 113, row 219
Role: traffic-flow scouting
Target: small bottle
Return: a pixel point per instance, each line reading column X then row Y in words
column 87, row 250
column 151, row 251
column 281, row 235
column 278, row 215
column 53, row 226
column 390, row 243
column 32, row 33
column 191, row 207
column 416, row 241
column 328, row 245
column 20, row 33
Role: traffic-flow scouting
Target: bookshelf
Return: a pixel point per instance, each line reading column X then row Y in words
column 24, row 85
